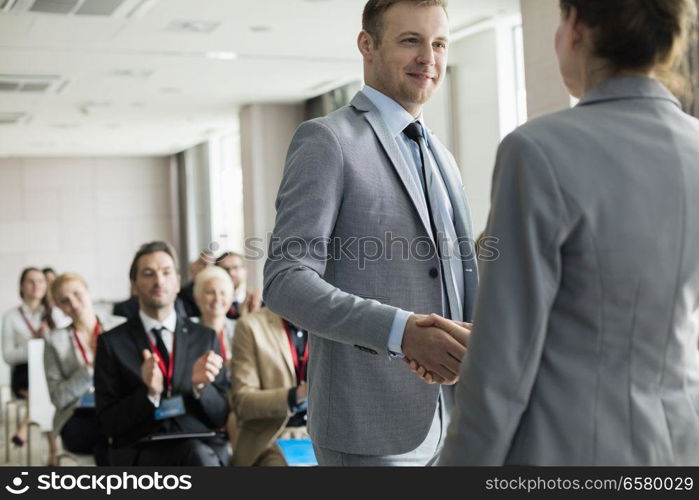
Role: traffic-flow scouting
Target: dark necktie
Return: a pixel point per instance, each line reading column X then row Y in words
column 439, row 232
column 157, row 333
column 414, row 132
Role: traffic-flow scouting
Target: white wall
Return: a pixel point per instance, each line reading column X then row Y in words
column 87, row 215
column 545, row 90
column 266, row 131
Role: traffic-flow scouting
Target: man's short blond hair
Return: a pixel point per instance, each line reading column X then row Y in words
column 372, row 18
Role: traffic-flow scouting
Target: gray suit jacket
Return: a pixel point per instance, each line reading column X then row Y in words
column 67, row 378
column 584, row 350
column 345, row 190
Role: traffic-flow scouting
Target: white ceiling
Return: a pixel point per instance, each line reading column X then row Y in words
column 133, row 86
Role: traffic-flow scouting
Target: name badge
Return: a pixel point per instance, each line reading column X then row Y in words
column 87, row 400
column 170, row 407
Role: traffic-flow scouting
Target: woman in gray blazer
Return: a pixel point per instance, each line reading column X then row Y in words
column 69, row 355
column 584, row 346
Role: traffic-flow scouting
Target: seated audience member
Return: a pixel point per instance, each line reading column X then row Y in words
column 186, row 295
column 244, row 301
column 129, row 308
column 19, row 325
column 269, row 388
column 56, row 319
column 160, row 375
column 68, row 362
column 213, row 293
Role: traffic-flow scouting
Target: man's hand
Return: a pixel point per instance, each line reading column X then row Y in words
column 460, row 330
column 205, row 369
column 434, row 349
column 457, row 329
column 301, row 392
column 253, row 301
column 151, row 374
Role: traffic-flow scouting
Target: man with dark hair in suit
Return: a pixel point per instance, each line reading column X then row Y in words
column 159, row 376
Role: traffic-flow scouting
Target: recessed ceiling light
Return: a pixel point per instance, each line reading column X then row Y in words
column 221, row 55
column 65, row 125
column 132, row 73
column 260, row 28
column 185, row 26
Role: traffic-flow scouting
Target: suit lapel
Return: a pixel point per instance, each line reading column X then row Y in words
column 138, row 333
column 462, row 223
column 372, row 115
column 278, row 334
column 454, row 188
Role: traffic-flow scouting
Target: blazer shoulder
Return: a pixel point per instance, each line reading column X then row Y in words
column 121, row 330
column 196, row 328
column 340, row 122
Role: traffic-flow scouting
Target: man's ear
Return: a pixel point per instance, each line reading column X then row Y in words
column 577, row 28
column 365, row 43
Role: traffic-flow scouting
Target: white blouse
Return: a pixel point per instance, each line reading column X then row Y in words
column 16, row 334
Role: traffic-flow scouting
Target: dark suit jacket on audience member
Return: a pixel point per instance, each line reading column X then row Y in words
column 123, row 408
column 129, row 308
column 186, row 297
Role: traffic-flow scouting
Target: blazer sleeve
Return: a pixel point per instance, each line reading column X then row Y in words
column 308, row 203
column 528, row 217
column 213, row 396
column 63, row 391
column 250, row 401
column 119, row 414
column 12, row 353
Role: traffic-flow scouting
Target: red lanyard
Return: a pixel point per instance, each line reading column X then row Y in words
column 161, row 364
column 300, row 367
column 83, row 352
column 222, row 342
column 35, row 333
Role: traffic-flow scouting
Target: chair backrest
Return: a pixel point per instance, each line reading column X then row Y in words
column 40, row 408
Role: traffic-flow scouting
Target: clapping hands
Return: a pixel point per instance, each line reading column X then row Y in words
column 434, row 347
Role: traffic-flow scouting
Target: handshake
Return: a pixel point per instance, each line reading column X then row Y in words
column 434, row 347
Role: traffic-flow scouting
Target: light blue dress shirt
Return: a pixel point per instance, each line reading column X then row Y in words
column 397, row 118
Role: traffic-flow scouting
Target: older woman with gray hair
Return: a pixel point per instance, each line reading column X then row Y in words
column 213, row 293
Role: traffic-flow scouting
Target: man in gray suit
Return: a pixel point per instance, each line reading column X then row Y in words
column 373, row 228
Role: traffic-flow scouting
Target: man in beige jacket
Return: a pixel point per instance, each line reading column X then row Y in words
column 269, row 389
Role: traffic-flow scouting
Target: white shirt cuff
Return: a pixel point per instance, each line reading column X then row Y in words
column 395, row 338
column 155, row 400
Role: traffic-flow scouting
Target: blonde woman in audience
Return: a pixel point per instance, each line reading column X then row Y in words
column 54, row 316
column 69, row 356
column 19, row 325
column 213, row 293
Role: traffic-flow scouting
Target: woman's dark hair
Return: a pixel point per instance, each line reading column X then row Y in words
column 44, row 300
column 640, row 34
column 23, row 276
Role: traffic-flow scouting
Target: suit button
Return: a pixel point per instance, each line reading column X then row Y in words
column 434, row 273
